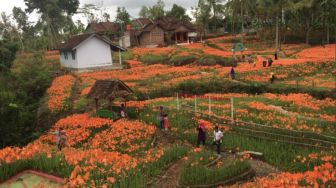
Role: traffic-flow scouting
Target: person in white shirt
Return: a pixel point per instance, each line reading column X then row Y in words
column 218, row 135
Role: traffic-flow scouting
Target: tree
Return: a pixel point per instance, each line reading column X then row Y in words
column 179, row 13
column 123, row 17
column 53, row 13
column 202, row 14
column 154, row 12
column 144, row 12
column 106, row 17
column 89, row 12
column 157, row 10
column 8, row 51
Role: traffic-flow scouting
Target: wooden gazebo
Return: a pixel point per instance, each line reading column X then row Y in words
column 109, row 90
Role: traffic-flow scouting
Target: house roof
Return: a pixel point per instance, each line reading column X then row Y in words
column 166, row 23
column 76, row 40
column 109, row 89
column 103, row 27
column 169, row 23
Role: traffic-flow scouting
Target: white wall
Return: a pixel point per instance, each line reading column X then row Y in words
column 93, row 53
column 70, row 63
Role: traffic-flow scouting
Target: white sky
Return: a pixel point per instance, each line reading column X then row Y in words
column 109, row 6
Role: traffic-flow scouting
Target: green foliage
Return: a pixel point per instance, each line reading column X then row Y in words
column 179, row 13
column 56, row 164
column 212, row 45
column 81, row 104
column 7, row 54
column 196, row 173
column 105, row 113
column 182, row 60
column 216, row 60
column 152, row 169
column 123, row 16
column 153, row 58
column 154, row 12
column 20, row 99
column 127, row 55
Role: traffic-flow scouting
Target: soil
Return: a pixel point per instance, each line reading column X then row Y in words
column 171, row 176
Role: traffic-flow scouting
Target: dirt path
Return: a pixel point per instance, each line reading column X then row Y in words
column 171, row 176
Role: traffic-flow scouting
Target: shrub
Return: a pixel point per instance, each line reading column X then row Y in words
column 127, row 55
column 213, row 60
column 182, row 60
column 212, row 45
column 153, row 58
column 105, row 113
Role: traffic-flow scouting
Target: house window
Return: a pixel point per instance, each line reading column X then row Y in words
column 65, row 55
column 73, row 55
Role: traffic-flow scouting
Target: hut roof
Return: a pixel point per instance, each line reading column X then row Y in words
column 107, row 89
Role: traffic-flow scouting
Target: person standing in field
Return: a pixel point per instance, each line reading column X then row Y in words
column 218, row 135
column 160, row 117
column 122, row 111
column 201, row 134
column 165, row 122
column 232, row 73
column 61, row 138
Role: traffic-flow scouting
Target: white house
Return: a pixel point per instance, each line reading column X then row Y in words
column 88, row 51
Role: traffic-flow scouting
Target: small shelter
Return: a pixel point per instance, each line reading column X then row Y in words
column 109, row 90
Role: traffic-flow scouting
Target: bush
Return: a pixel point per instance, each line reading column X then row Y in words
column 127, row 55
column 105, row 113
column 153, row 58
column 212, row 45
column 182, row 60
column 213, row 60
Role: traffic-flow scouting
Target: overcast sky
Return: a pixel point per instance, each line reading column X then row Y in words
column 109, row 6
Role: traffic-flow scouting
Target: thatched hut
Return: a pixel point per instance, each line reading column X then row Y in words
column 109, row 90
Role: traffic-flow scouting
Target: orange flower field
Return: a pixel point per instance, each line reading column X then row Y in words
column 59, row 92
column 283, row 130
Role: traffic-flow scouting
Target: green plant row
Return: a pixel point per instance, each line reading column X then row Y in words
column 227, row 86
column 56, row 165
column 140, row 176
column 196, row 173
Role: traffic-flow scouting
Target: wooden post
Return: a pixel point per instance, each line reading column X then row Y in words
column 232, row 118
column 209, row 105
column 96, row 100
column 297, row 84
column 119, row 57
column 195, row 104
column 313, row 83
column 177, row 101
column 175, row 38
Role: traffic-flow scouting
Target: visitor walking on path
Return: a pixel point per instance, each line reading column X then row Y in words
column 165, row 122
column 232, row 73
column 61, row 138
column 218, row 135
column 201, row 134
column 160, row 117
